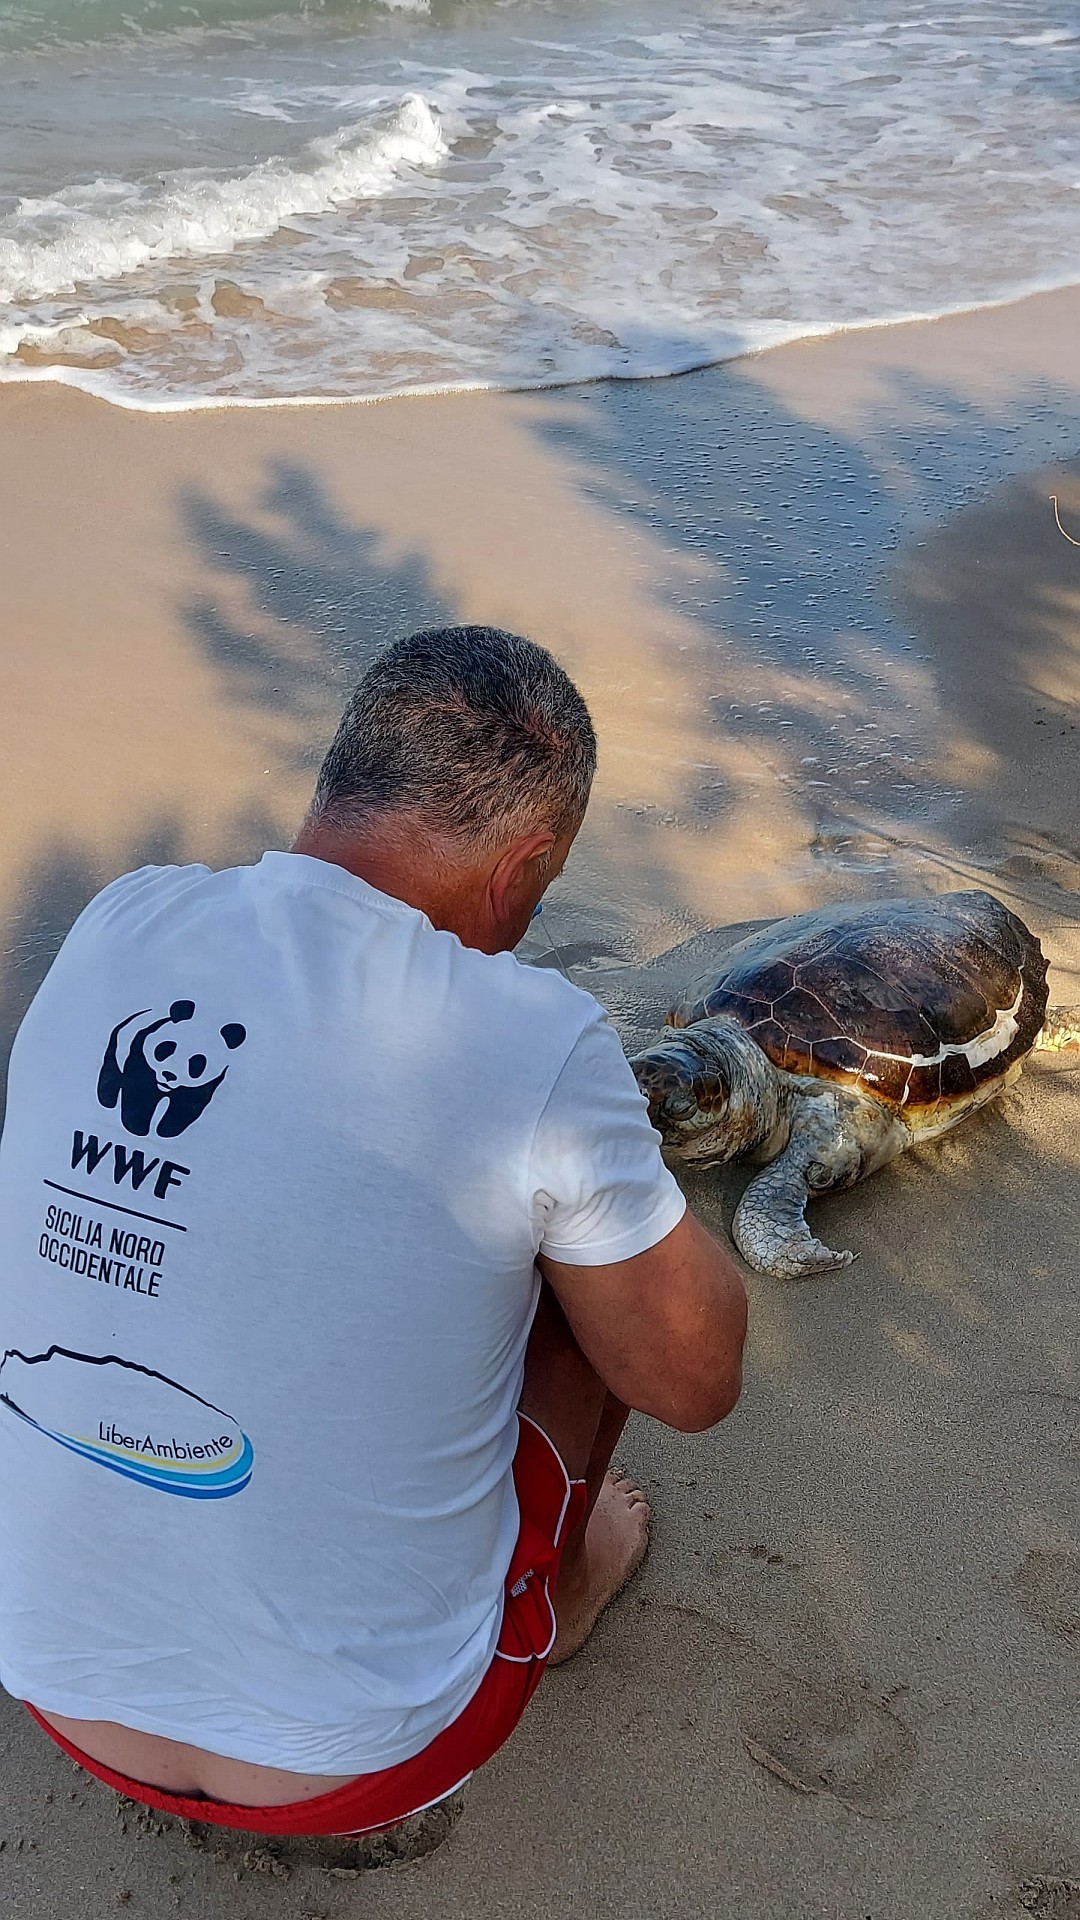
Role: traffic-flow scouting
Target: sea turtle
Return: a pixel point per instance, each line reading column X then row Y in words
column 827, row 1043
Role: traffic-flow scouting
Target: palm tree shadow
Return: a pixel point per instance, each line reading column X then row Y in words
column 781, row 537
column 303, row 600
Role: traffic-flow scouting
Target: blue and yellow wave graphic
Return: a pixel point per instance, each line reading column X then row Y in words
column 66, row 1395
column 195, row 1479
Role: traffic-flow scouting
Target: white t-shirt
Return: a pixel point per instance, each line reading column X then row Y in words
column 277, row 1162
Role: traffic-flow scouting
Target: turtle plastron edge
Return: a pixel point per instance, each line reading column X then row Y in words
column 837, row 1138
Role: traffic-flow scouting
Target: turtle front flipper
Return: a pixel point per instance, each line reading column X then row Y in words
column 837, row 1138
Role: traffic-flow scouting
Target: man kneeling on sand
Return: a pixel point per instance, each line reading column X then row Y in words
column 336, row 1247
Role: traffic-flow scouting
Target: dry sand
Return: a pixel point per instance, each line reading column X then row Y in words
column 831, row 636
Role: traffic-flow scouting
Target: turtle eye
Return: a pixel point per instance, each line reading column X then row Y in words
column 678, row 1105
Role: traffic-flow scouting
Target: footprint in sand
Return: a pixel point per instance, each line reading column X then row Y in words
column 1049, row 1586
column 1050, row 1898
column 840, row 1742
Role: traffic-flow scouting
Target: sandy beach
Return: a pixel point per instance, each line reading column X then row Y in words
column 829, row 630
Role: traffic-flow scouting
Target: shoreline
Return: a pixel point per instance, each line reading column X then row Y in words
column 96, row 389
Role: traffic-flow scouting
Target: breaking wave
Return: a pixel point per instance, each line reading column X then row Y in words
column 95, row 234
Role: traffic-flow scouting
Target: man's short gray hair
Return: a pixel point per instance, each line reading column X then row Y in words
column 478, row 730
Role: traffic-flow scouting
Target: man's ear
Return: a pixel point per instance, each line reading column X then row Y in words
column 514, row 875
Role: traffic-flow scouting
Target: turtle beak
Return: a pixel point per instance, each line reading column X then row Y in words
column 654, row 1082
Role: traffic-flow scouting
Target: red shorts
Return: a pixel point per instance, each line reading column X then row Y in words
column 551, row 1506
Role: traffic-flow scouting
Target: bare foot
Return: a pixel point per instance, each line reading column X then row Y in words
column 616, row 1541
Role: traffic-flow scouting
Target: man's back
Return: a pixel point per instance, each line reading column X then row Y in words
column 278, row 1160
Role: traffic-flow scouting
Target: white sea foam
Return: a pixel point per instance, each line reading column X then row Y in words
column 107, row 230
column 615, row 198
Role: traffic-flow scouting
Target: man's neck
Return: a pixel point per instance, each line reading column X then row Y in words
column 401, row 859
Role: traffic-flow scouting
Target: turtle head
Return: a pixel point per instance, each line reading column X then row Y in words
column 713, row 1095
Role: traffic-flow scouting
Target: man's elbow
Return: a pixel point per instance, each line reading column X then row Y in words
column 707, row 1402
column 708, row 1393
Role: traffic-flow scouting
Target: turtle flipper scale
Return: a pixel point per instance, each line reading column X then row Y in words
column 836, row 1139
column 1060, row 1030
column 771, row 1233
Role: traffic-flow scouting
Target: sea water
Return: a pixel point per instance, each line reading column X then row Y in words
column 210, row 200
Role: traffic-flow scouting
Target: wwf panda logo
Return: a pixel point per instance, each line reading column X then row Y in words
column 171, row 1085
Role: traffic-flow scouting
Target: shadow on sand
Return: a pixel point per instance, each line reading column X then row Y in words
column 861, row 1609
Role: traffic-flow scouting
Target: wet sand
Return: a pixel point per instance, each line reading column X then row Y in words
column 830, row 633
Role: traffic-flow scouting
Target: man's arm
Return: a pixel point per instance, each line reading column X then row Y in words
column 664, row 1330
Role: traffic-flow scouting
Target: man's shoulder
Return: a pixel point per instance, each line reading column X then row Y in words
column 512, row 1027
column 143, row 889
column 152, row 879
column 539, row 995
